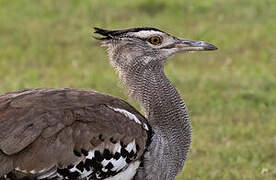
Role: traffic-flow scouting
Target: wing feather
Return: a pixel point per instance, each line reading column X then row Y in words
column 46, row 126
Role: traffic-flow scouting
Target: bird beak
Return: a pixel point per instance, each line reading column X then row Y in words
column 190, row 45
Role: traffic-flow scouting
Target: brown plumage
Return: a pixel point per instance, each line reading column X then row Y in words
column 78, row 134
column 46, row 126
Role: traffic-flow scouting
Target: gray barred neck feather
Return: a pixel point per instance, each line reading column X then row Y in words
column 166, row 113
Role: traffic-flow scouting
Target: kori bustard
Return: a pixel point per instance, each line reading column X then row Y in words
column 84, row 134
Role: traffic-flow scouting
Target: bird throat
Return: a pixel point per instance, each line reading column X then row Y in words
column 166, row 113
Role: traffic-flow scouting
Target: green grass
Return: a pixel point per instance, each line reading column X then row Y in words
column 230, row 93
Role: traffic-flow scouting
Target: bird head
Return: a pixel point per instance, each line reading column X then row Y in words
column 145, row 46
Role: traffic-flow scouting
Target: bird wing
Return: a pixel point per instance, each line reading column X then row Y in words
column 45, row 128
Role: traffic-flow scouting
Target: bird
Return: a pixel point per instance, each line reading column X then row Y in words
column 48, row 133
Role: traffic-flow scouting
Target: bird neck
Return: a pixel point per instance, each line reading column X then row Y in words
column 167, row 116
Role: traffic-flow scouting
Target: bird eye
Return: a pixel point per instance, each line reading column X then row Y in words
column 155, row 40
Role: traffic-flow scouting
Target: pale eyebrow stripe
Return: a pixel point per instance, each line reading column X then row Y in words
column 145, row 34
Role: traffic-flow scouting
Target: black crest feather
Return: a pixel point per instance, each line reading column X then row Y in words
column 110, row 34
column 107, row 34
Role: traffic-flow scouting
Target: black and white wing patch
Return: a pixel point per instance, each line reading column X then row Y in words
column 101, row 164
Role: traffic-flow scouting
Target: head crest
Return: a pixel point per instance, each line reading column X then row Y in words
column 110, row 34
column 107, row 34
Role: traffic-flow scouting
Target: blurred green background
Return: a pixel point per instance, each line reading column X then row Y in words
column 230, row 93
